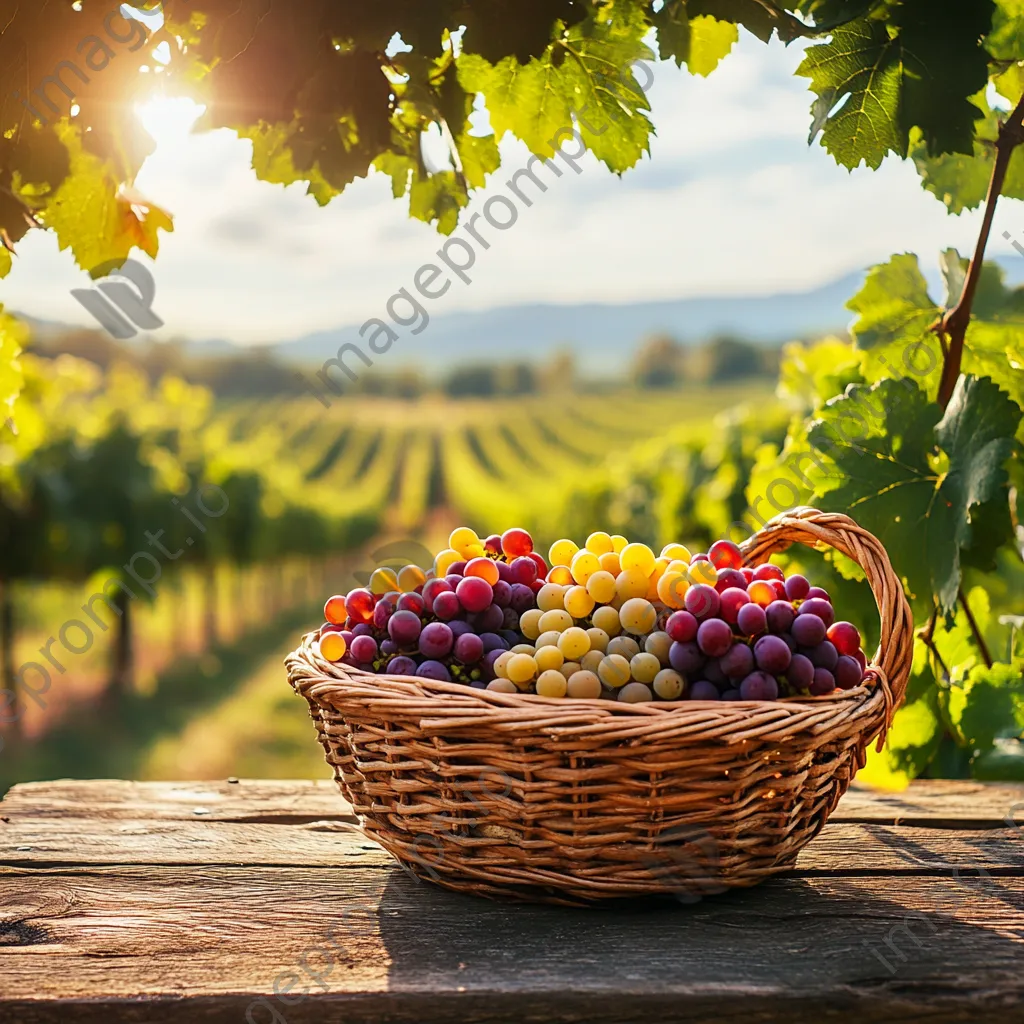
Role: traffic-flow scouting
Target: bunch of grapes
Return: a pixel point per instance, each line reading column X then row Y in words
column 608, row 620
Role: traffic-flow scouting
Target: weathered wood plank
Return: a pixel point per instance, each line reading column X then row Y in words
column 937, row 803
column 76, row 941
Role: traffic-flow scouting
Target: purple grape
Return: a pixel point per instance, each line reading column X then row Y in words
column 738, row 661
column 447, row 605
column 364, row 649
column 808, row 630
column 401, row 666
column 510, row 619
column 800, row 672
column 488, row 663
column 751, row 619
column 818, row 592
column 412, row 603
column 847, row 672
column 703, row 690
column 457, row 568
column 435, row 640
column 404, row 628
column 773, row 656
column 388, row 647
column 522, row 599
column 458, row 627
column 381, row 613
column 490, row 619
column 702, row 601
column 796, row 587
column 493, row 642
column 714, row 637
column 453, row 579
column 713, row 673
column 431, row 589
column 685, row 658
column 823, row 682
column 434, row 670
column 780, row 616
column 502, row 593
column 510, row 636
column 788, row 640
column 820, row 607
column 523, row 569
column 469, row 648
column 759, row 685
column 348, row 635
column 823, row 655
column 731, row 695
column 362, row 629
column 504, row 573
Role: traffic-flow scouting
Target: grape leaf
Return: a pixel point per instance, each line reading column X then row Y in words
column 12, row 338
column 518, row 28
column 989, row 705
column 893, row 303
column 916, row 481
column 700, row 43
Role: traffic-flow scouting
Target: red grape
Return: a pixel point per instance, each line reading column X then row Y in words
column 457, row 568
column 703, row 690
column 748, row 573
column 535, row 586
column 504, row 572
column 435, row 640
column 453, row 579
column 516, row 542
column 861, row 659
column 772, row 655
column 730, row 578
column 412, row 603
column 780, row 616
column 702, row 601
column 768, row 572
column 331, row 627
column 447, row 605
column 431, row 589
column 738, row 661
column 759, row 686
column 797, row 587
column 823, row 682
column 502, row 595
column 847, row 672
column 474, row 593
column 681, row 626
column 542, row 566
column 362, row 629
column 364, row 649
column 699, row 557
column 490, row 619
column 845, row 637
column 714, row 637
column 751, row 619
column 713, row 672
column 359, row 605
column 469, row 648
column 780, row 589
column 522, row 599
column 808, row 630
column 725, row 555
column 818, row 592
column 404, row 627
column 732, row 600
column 434, row 670
column 685, row 658
column 761, row 592
column 800, row 672
column 485, row 568
column 820, row 607
column 382, row 613
column 401, row 666
column 493, row 544
column 336, row 610
column 523, row 570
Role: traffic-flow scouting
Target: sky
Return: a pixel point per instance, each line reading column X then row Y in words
column 732, row 201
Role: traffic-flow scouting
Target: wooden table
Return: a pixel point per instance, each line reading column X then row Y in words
column 154, row 902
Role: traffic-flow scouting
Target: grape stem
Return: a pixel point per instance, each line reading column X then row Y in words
column 927, row 638
column 952, row 326
column 978, row 638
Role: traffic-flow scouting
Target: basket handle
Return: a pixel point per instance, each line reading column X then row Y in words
column 894, row 657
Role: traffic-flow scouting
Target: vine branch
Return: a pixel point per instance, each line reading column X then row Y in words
column 978, row 638
column 952, row 328
column 926, row 636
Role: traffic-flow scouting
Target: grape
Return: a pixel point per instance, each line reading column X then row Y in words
column 599, row 543
column 381, row 613
column 401, row 666
column 725, row 555
column 823, row 682
column 359, row 605
column 388, row 647
column 701, row 556
column 434, row 670
column 412, row 603
column 551, row 596
column 404, row 627
column 637, row 556
column 568, row 668
column 548, row 658
column 672, row 586
column 644, row 667
column 685, row 657
column 516, row 542
column 737, row 662
column 607, row 618
column 591, row 661
column 669, row 684
column 797, row 587
column 730, row 578
column 788, row 640
column 637, row 615
column 446, row 605
column 561, row 552
column 635, row 693
column 702, row 601
column 703, row 690
column 861, row 660
column 330, row 627
column 800, row 672
column 542, row 566
column 502, row 686
column 574, row 643
column 485, row 568
column 601, row 586
column 808, row 630
column 845, row 637
column 780, row 590
column 613, row 671
column 333, row 646
column 521, row 668
column 823, row 655
column 599, row 639
column 549, row 638
column 768, row 572
column 584, row 685
column 493, row 544
column 347, row 635
column 488, row 663
column 624, row 645
column 732, row 599
column 682, row 626
column 578, row 602
column 714, row 637
column 435, row 640
column 732, row 695
column 820, row 607
column 453, row 580
column 490, row 619
column 364, row 649
column 536, row 586
column 759, row 685
column 336, row 610
column 362, row 629
column 819, row 593
column 551, row 684
column 493, row 642
column 523, row 570
column 509, row 619
column 382, row 580
column 522, row 599
column 771, row 655
column 474, row 593
column 702, row 572
column 761, row 592
column 457, row 568
column 712, row 672
column 847, row 673
column 658, row 644
column 463, row 539
column 780, row 616
column 431, row 589
column 751, row 619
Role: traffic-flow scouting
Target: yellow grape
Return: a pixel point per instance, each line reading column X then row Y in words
column 548, row 657
column 584, row 685
column 501, row 664
column 624, row 645
column 614, row 671
column 618, row 542
column 601, row 586
column 631, row 583
column 668, row 684
column 638, row 616
column 382, row 580
column 584, row 565
column 523, row 649
column 635, row 693
column 561, row 575
column 521, row 668
column 410, row 577
column 568, row 667
column 673, row 551
column 672, row 589
column 445, row 560
column 578, row 602
column 591, row 661
column 332, row 646
column 702, row 572
column 529, row 623
column 644, row 667
column 599, row 543
column 678, row 565
column 463, row 540
column 557, row 618
column 549, row 598
column 549, row 638
column 598, row 638
column 502, row 686
column 659, row 644
column 574, row 643
column 551, row 684
column 607, row 618
column 609, row 562
column 637, row 556
column 561, row 552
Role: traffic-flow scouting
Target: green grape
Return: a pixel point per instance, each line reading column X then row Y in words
column 502, row 686
column 548, row 657
column 529, row 623
column 552, row 684
column 669, row 684
column 591, row 661
column 624, row 645
column 523, row 649
column 635, row 693
column 607, row 618
column 578, row 602
column 644, row 667
column 614, row 671
column 659, row 643
column 551, row 597
column 548, row 639
column 638, row 616
column 574, row 643
column 569, row 667
column 584, row 685
column 556, row 619
column 598, row 639
column 521, row 668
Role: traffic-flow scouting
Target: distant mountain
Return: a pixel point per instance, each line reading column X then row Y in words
column 601, row 335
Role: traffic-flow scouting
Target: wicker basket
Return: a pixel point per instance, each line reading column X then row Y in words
column 571, row 801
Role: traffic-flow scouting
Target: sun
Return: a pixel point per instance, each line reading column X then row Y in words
column 168, row 119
